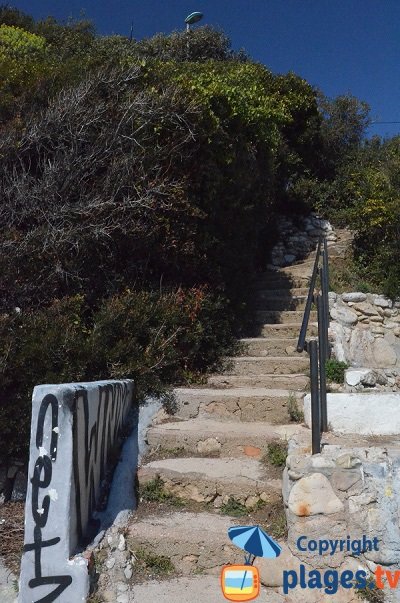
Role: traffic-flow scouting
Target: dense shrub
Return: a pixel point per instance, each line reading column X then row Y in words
column 155, row 339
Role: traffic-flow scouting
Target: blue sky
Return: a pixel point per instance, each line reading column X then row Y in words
column 340, row 46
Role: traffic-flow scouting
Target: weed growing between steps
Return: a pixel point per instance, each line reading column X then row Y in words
column 372, row 595
column 234, row 508
column 335, row 370
column 154, row 491
column 296, row 415
column 276, row 454
column 155, row 566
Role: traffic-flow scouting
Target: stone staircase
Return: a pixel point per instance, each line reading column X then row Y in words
column 211, row 455
column 213, row 448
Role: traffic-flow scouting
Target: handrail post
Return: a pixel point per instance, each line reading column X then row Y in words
column 315, row 408
column 322, row 359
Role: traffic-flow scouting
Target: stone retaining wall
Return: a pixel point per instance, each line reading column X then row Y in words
column 345, row 494
column 297, row 237
column 366, row 330
column 75, row 430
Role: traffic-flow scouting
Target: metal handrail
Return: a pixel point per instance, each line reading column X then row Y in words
column 301, row 345
column 319, row 350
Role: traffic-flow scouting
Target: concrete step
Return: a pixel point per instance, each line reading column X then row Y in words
column 239, row 404
column 277, row 317
column 262, row 365
column 221, row 438
column 193, row 542
column 285, row 330
column 214, row 480
column 282, row 303
column 261, row 346
column 294, row 382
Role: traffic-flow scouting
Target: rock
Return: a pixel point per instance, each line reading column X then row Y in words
column 370, row 379
column 121, row 587
column 123, row 598
column 318, row 461
column 271, row 570
column 344, row 479
column 353, row 377
column 366, row 308
column 251, row 502
column 313, row 495
column 382, row 302
column 122, row 543
column 209, row 446
column 343, row 315
column 384, row 354
column 128, row 572
column 110, row 563
column 354, row 297
column 360, row 348
column 347, row 461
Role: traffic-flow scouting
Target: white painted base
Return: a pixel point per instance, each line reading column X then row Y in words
column 366, row 414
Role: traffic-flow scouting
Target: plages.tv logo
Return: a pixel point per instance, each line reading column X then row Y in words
column 242, row 582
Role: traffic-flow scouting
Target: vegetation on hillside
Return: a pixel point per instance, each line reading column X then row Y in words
column 139, row 184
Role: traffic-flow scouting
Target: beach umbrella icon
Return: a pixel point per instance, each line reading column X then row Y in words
column 254, row 541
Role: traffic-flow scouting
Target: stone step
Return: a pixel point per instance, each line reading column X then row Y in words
column 261, row 346
column 264, row 365
column 223, row 438
column 285, row 330
column 193, row 588
column 272, row 293
column 294, row 382
column 193, row 542
column 240, row 404
column 288, row 316
column 275, row 280
column 214, row 480
column 281, row 303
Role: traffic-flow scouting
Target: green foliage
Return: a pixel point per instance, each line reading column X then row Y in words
column 335, row 370
column 295, row 413
column 276, row 454
column 155, row 339
column 153, row 491
column 157, row 564
column 234, row 508
column 345, row 120
column 373, row 595
column 201, row 44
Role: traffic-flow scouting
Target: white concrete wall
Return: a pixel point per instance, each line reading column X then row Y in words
column 74, row 428
column 363, row 413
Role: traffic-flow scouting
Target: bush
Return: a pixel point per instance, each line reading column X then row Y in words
column 335, row 370
column 155, row 339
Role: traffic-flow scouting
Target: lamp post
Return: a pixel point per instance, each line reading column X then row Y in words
column 192, row 19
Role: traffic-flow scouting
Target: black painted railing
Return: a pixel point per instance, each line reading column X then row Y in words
column 318, row 349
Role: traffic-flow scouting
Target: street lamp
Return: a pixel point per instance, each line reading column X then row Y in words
column 192, row 19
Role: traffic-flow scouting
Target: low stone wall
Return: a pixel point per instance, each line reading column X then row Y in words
column 365, row 329
column 75, row 429
column 345, row 495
